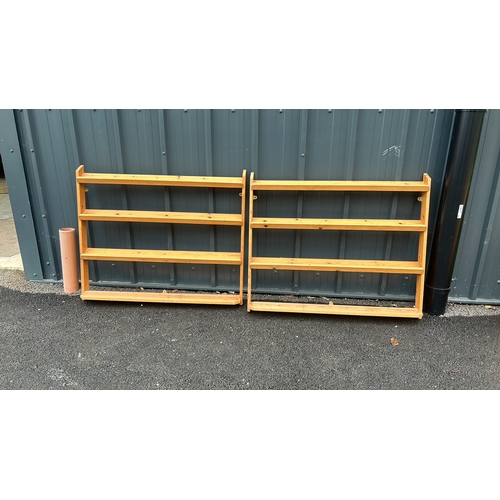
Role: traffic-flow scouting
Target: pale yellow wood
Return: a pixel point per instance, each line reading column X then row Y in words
column 345, row 265
column 164, row 298
column 375, row 186
column 80, row 171
column 81, row 207
column 400, row 312
column 172, row 256
column 338, row 224
column 394, row 267
column 82, row 232
column 162, row 217
column 242, row 236
column 422, row 245
column 250, row 242
column 161, row 180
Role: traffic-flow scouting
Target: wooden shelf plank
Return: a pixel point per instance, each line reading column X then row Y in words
column 338, row 224
column 172, row 256
column 374, row 186
column 160, row 180
column 163, row 298
column 352, row 266
column 162, row 217
column 400, row 312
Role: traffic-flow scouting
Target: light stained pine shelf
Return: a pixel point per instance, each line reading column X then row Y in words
column 417, row 268
column 338, row 224
column 160, row 180
column 86, row 215
column 359, row 186
column 398, row 312
column 163, row 298
column 170, row 256
column 162, row 217
column 350, row 266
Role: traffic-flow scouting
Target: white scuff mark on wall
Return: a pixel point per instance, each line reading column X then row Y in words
column 393, row 150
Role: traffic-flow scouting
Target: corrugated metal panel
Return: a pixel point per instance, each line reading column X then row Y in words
column 476, row 275
column 13, row 164
column 344, row 144
column 275, row 144
column 46, row 148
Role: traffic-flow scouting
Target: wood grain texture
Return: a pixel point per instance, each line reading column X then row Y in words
column 173, row 256
column 398, row 312
column 86, row 215
column 351, row 266
column 338, row 224
column 373, row 186
column 162, row 217
column 343, row 265
column 163, row 298
column 160, row 180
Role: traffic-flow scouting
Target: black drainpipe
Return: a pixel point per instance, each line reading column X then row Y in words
column 458, row 175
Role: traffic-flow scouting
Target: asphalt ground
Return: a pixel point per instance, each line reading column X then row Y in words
column 50, row 340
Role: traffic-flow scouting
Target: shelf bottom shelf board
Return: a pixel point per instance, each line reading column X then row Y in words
column 163, row 298
column 398, row 312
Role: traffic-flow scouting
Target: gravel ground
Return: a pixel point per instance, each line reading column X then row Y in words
column 15, row 280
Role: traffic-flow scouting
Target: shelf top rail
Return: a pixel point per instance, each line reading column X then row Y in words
column 158, row 180
column 360, row 186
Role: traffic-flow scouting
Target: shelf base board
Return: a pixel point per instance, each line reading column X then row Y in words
column 163, row 298
column 398, row 312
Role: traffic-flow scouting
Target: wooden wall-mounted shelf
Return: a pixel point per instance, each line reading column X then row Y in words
column 168, row 256
column 375, row 266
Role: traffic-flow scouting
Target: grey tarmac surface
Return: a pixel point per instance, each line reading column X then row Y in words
column 50, row 340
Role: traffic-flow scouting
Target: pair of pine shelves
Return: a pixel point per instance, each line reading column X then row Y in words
column 87, row 254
